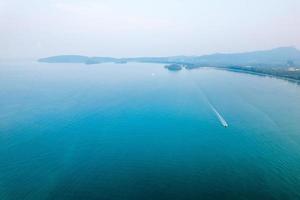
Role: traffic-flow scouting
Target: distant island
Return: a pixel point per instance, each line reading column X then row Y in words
column 174, row 67
column 280, row 62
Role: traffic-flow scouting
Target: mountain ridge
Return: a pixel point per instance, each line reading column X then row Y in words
column 281, row 56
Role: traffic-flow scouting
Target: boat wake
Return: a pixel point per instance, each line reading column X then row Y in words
column 203, row 94
column 221, row 119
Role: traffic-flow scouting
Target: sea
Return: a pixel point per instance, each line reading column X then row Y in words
column 137, row 131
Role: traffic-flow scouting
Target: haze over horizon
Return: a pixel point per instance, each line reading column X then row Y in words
column 138, row 28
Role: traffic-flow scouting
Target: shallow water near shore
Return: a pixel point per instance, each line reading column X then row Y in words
column 138, row 131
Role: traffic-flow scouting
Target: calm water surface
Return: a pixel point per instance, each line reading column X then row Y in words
column 138, row 132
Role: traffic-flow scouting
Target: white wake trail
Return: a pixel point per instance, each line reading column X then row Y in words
column 221, row 119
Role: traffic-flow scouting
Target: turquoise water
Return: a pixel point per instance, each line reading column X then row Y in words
column 139, row 131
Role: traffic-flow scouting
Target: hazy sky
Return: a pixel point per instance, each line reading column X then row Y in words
column 38, row 28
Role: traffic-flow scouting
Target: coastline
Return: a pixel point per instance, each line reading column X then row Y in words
column 260, row 74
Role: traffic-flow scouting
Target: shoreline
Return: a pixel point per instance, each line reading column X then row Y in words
column 260, row 74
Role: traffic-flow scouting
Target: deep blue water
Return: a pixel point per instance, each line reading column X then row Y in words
column 139, row 131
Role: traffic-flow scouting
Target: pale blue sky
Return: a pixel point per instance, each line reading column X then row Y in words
column 36, row 28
